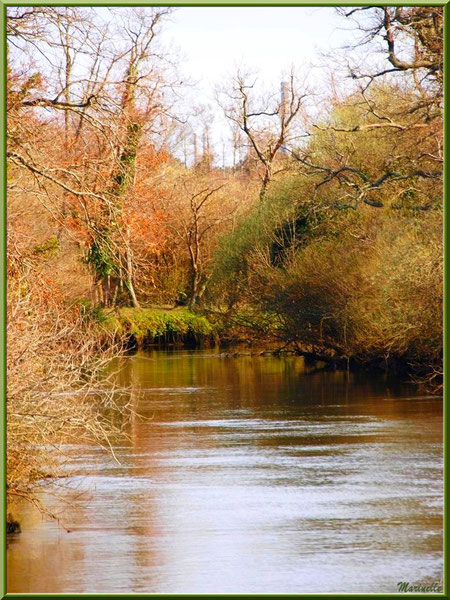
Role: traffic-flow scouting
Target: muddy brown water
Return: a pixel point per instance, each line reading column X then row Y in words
column 248, row 475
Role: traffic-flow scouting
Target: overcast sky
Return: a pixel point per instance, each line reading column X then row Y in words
column 214, row 41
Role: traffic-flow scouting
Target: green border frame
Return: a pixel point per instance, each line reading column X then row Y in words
column 206, row 3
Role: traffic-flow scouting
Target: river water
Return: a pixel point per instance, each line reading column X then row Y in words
column 247, row 475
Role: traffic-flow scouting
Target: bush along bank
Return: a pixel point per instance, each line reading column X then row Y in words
column 355, row 289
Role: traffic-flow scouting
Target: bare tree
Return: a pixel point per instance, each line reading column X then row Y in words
column 268, row 122
column 141, row 31
column 395, row 107
column 413, row 44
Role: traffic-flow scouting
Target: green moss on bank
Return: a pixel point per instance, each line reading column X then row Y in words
column 147, row 326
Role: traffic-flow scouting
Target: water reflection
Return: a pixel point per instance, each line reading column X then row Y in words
column 249, row 475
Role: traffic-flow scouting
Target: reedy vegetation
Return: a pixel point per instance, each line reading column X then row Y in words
column 326, row 233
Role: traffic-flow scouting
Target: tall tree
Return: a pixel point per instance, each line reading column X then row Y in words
column 267, row 121
column 108, row 87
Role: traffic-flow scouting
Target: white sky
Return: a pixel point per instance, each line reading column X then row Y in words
column 215, row 41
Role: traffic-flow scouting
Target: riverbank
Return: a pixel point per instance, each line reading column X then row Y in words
column 140, row 328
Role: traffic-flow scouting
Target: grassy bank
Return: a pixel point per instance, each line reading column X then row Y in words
column 141, row 327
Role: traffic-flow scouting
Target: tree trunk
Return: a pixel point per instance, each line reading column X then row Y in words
column 193, row 298
column 266, row 180
column 199, row 284
column 130, row 286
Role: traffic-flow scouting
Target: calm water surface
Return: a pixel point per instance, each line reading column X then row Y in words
column 248, row 475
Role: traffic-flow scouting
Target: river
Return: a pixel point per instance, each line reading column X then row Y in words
column 246, row 475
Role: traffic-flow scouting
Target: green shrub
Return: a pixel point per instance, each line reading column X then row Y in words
column 148, row 326
column 373, row 290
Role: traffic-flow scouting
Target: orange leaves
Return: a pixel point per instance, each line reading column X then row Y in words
column 147, row 227
column 150, row 158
